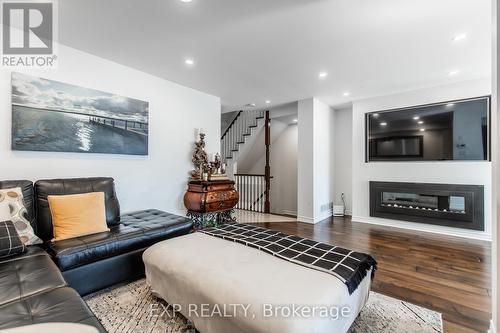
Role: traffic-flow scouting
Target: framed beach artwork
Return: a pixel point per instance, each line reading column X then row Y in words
column 58, row 117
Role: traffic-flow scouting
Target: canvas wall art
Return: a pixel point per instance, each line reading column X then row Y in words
column 58, row 117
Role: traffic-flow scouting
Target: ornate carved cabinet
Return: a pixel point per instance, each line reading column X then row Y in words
column 210, row 201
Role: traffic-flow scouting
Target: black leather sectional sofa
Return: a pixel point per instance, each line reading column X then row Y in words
column 45, row 283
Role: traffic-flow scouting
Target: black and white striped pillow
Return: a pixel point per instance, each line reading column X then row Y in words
column 10, row 243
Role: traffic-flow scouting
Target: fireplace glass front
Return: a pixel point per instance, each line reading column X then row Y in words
column 458, row 206
column 452, row 204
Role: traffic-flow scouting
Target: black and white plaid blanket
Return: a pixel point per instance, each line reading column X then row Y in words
column 348, row 266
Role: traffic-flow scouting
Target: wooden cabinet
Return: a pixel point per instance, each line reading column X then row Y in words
column 210, row 196
column 210, row 200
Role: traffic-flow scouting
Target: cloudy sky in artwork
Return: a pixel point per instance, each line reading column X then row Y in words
column 35, row 92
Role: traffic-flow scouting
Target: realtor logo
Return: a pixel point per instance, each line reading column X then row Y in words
column 28, row 34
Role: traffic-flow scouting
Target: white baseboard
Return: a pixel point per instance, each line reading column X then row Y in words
column 435, row 229
column 323, row 216
column 305, row 219
column 289, row 212
column 316, row 219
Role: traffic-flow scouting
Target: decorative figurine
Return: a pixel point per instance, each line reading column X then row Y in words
column 200, row 159
column 204, row 169
column 215, row 165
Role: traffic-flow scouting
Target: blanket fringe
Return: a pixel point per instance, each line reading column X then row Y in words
column 358, row 276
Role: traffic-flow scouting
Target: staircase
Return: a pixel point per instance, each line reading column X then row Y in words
column 238, row 130
column 253, row 188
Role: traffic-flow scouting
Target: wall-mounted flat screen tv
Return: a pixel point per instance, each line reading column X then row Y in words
column 455, row 130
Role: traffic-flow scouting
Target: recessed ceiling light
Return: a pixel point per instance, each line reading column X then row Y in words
column 186, row 1
column 422, row 130
column 453, row 73
column 449, row 105
column 459, row 37
column 346, row 93
column 420, row 122
column 416, row 118
column 375, row 115
column 268, row 102
column 189, row 61
column 295, row 120
column 322, row 75
column 383, row 124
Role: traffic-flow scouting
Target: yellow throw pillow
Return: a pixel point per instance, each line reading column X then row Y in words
column 77, row 214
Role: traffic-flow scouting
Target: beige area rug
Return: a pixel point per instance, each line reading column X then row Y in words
column 128, row 309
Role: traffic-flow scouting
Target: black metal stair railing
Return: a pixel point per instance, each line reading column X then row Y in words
column 235, row 134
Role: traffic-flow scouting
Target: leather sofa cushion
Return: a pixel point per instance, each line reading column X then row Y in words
column 57, row 305
column 136, row 231
column 28, row 196
column 44, row 188
column 28, row 274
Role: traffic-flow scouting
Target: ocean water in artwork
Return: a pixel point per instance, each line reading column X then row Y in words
column 54, row 116
column 42, row 130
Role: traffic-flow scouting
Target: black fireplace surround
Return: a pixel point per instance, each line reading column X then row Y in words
column 458, row 206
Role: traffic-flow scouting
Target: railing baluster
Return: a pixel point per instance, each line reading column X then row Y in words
column 260, row 195
column 251, row 188
column 242, row 191
column 245, row 191
column 252, row 199
column 238, row 187
column 240, row 130
column 249, row 207
column 254, row 196
column 247, row 129
column 244, row 122
column 233, row 139
column 236, row 132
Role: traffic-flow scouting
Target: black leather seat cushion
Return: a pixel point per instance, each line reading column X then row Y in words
column 57, row 305
column 28, row 196
column 136, row 231
column 44, row 188
column 28, row 274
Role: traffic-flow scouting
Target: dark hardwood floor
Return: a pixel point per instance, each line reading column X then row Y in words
column 446, row 274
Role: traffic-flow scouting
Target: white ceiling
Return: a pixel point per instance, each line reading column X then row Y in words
column 256, row 50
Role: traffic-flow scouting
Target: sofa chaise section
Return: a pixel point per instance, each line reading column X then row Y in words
column 28, row 274
column 33, row 290
column 55, row 305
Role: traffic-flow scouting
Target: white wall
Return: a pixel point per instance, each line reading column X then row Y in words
column 466, row 172
column 154, row 181
column 284, row 183
column 315, row 160
column 305, row 160
column 342, row 168
column 323, row 160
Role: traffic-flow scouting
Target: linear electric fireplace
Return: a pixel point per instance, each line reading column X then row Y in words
column 458, row 206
